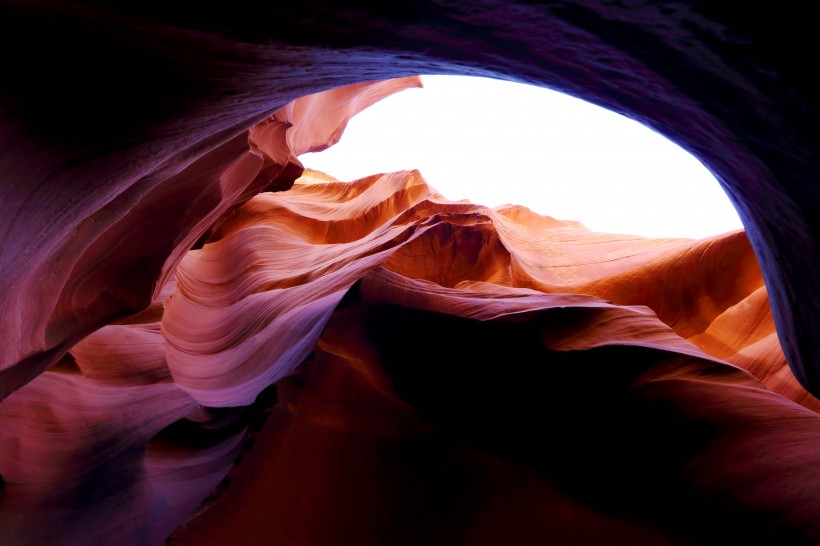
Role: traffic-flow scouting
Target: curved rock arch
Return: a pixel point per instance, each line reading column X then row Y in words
column 102, row 104
column 117, row 124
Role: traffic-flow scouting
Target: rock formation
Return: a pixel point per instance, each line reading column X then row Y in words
column 205, row 345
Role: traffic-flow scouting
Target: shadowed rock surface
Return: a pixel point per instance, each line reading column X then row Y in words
column 197, row 349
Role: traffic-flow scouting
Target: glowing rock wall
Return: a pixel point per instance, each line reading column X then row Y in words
column 444, row 373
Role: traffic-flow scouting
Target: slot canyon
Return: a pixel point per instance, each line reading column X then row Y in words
column 206, row 343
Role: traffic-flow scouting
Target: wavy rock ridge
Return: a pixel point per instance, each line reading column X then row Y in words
column 369, row 363
column 472, row 386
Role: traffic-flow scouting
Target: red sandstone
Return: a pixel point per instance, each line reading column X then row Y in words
column 205, row 345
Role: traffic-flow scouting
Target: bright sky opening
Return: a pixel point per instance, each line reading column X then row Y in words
column 495, row 143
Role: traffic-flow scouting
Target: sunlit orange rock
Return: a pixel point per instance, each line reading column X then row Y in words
column 106, row 439
column 122, row 245
column 439, row 337
column 470, row 386
column 188, row 357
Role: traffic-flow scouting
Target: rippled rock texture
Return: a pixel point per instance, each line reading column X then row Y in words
column 488, row 377
column 205, row 345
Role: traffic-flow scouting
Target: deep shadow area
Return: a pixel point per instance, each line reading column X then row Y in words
column 221, row 424
column 573, row 416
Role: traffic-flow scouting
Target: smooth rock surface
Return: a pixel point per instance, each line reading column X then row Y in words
column 153, row 289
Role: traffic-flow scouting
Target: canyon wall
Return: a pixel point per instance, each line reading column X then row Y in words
column 201, row 343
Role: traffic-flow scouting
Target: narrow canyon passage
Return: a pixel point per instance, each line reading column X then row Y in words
column 206, row 343
column 436, row 364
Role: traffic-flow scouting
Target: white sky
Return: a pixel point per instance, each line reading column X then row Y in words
column 496, row 143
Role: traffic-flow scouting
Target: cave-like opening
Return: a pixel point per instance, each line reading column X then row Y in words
column 496, row 142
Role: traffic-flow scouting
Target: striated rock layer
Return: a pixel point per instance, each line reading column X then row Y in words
column 444, row 373
column 113, row 116
column 470, row 386
column 198, row 350
column 106, row 446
